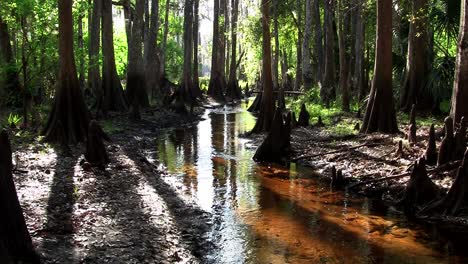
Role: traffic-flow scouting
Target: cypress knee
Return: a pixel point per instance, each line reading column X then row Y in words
column 96, row 153
column 431, row 150
column 446, row 148
column 303, row 117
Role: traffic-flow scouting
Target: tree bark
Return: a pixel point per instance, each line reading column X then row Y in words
column 413, row 88
column 217, row 82
column 358, row 79
column 187, row 81
column 327, row 91
column 267, row 108
column 307, row 74
column 162, row 71
column 380, row 114
column 81, row 66
column 151, row 56
column 318, row 47
column 276, row 57
column 69, row 116
column 298, row 81
column 136, row 83
column 15, row 240
column 112, row 91
column 460, row 86
column 233, row 89
column 93, row 51
column 344, row 56
column 196, row 42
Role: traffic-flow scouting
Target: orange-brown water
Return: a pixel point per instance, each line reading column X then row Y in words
column 271, row 214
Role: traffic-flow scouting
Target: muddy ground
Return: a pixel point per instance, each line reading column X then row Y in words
column 127, row 213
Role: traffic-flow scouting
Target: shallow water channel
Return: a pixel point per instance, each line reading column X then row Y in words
column 272, row 214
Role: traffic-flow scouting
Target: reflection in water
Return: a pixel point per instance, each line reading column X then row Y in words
column 270, row 214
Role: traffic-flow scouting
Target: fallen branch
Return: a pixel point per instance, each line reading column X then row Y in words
column 448, row 166
column 337, row 151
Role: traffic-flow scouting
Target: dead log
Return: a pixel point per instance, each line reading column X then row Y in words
column 412, row 127
column 420, row 190
column 457, row 197
column 460, row 140
column 431, row 150
column 447, row 146
column 304, row 117
column 446, row 167
column 96, row 153
column 15, row 240
column 335, row 151
column 275, row 146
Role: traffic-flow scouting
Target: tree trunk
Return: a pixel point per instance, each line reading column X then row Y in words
column 327, row 91
column 298, row 81
column 267, row 108
column 460, row 86
column 187, row 81
column 413, row 91
column 81, row 66
column 217, row 82
column 307, row 74
column 318, row 47
column 380, row 114
column 112, row 92
column 15, row 240
column 344, row 56
column 359, row 46
column 233, row 89
column 162, row 71
column 93, row 51
column 276, row 58
column 196, row 42
column 136, row 83
column 11, row 86
column 151, row 57
column 69, row 116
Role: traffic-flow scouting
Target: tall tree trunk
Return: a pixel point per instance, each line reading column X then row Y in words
column 227, row 25
column 359, row 46
column 344, row 56
column 112, row 91
column 187, row 81
column 380, row 114
column 276, row 57
column 233, row 90
column 318, row 47
column 327, row 92
column 164, row 42
column 93, row 50
column 268, row 104
column 307, row 74
column 460, row 86
column 81, row 65
column 298, row 81
column 136, row 89
column 128, row 20
column 416, row 69
column 152, row 60
column 196, row 42
column 11, row 86
column 216, row 85
column 69, row 117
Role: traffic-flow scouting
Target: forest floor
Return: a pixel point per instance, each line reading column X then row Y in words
column 125, row 213
column 128, row 213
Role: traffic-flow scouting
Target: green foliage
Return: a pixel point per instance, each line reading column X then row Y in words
column 12, row 121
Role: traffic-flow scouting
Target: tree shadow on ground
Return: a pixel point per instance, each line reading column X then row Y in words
column 58, row 230
column 192, row 222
